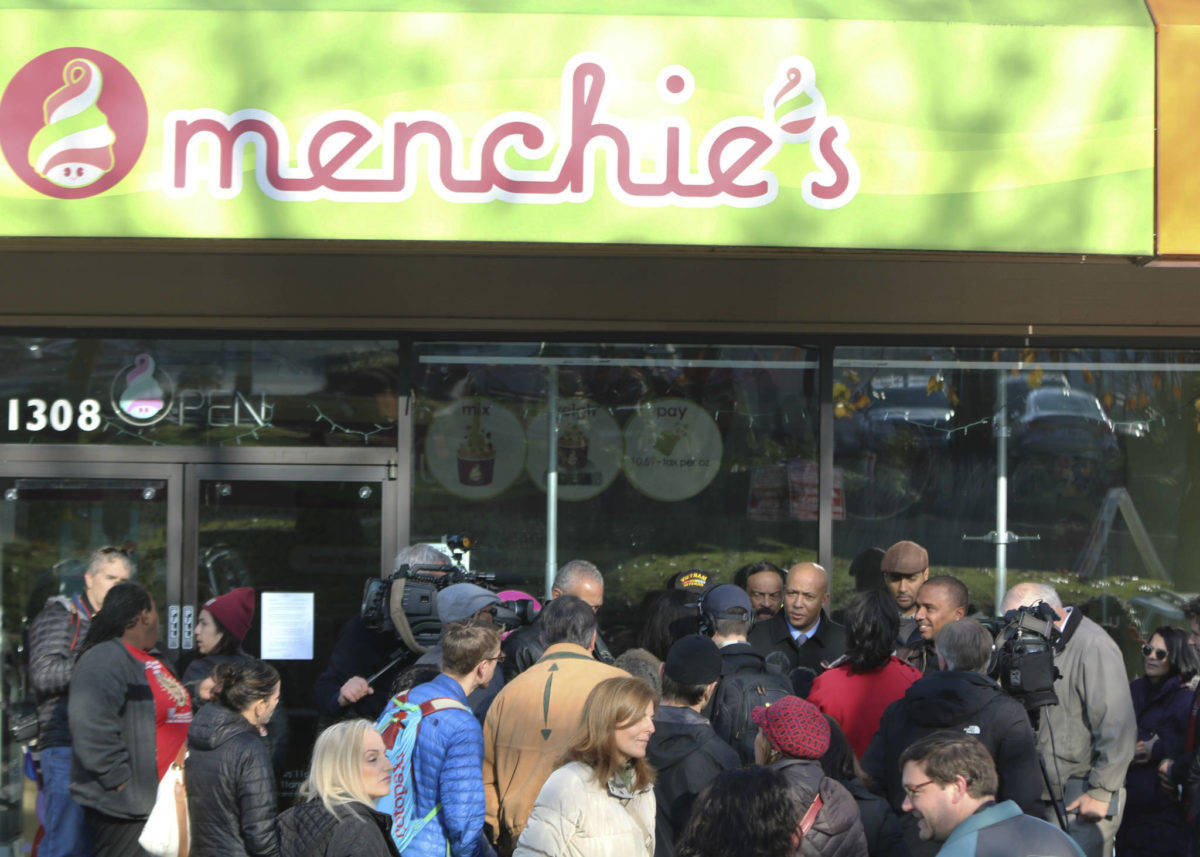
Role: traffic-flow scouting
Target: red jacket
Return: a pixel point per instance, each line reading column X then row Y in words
column 857, row 700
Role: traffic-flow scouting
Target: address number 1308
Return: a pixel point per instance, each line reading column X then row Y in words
column 58, row 415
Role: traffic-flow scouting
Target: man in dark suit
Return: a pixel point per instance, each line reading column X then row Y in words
column 802, row 630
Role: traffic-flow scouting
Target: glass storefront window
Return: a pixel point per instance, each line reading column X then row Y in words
column 260, row 392
column 666, row 457
column 1101, row 454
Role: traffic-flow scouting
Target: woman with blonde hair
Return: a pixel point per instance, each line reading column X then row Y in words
column 335, row 816
column 600, row 802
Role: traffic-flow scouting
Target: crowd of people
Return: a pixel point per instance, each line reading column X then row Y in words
column 750, row 721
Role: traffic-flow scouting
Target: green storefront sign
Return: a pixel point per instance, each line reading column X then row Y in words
column 856, row 124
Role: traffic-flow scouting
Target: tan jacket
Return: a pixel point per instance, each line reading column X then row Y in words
column 575, row 816
column 527, row 729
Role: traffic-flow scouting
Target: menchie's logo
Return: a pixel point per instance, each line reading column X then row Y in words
column 141, row 392
column 72, row 122
column 730, row 167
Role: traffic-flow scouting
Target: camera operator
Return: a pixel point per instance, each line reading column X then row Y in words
column 342, row 690
column 1087, row 740
column 524, row 646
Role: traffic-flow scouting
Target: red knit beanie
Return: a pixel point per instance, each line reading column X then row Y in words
column 794, row 726
column 233, row 610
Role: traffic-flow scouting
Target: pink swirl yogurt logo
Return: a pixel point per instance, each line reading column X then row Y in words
column 72, row 123
column 141, row 393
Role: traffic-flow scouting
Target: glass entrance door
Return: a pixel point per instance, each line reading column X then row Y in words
column 52, row 517
column 304, row 537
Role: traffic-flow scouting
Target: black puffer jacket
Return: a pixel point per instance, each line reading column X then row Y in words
column 838, row 831
column 309, row 830
column 277, row 727
column 230, row 787
column 54, row 640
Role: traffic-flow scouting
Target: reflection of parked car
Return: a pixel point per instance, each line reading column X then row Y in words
column 899, row 404
column 1060, row 421
column 886, row 450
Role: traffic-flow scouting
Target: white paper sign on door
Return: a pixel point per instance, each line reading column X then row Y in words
column 287, row 626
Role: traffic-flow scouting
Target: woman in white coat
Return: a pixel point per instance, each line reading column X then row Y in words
column 600, row 802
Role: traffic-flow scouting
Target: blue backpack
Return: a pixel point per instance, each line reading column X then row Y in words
column 398, row 725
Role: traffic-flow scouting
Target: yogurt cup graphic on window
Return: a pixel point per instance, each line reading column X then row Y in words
column 572, row 448
column 143, row 396
column 476, row 459
column 75, row 146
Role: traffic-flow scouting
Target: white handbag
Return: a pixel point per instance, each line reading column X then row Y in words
column 166, row 832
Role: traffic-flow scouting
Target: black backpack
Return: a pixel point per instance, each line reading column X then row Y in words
column 736, row 696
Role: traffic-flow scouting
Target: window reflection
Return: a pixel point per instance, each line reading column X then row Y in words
column 1102, row 463
column 667, row 457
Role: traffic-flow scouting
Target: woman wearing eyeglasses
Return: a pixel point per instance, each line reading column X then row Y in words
column 1155, row 821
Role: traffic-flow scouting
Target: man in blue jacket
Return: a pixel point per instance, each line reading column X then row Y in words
column 447, row 759
column 950, row 788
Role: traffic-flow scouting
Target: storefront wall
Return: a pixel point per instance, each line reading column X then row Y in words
column 707, row 386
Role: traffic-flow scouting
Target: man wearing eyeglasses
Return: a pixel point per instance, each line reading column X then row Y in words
column 1087, row 740
column 905, row 568
column 950, row 789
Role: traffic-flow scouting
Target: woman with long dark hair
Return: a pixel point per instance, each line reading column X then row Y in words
column 230, row 783
column 129, row 718
column 749, row 812
column 1155, row 823
column 857, row 688
column 600, row 803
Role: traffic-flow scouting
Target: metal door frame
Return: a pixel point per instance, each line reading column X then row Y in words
column 184, row 466
column 392, row 494
column 172, row 474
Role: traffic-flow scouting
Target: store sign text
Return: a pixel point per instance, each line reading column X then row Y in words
column 730, row 167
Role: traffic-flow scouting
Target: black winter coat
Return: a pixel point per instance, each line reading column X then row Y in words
column 965, row 701
column 277, row 728
column 880, row 824
column 824, row 647
column 309, row 830
column 687, row 755
column 230, row 787
column 838, row 830
column 359, row 652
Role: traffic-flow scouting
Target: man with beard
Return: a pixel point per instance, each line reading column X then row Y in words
column 763, row 582
column 905, row 568
column 950, row 789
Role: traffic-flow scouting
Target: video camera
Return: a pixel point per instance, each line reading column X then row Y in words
column 1023, row 655
column 405, row 602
